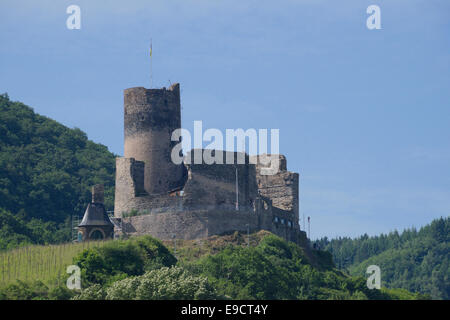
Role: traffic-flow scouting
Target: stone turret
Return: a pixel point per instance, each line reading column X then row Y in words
column 150, row 117
column 96, row 224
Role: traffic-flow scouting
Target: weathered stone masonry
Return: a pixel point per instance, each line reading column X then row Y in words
column 151, row 115
column 191, row 201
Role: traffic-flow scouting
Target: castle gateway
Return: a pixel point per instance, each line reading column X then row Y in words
column 155, row 196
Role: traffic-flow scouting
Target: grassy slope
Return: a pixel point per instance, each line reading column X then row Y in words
column 36, row 262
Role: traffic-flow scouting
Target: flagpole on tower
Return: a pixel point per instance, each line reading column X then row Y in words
column 151, row 65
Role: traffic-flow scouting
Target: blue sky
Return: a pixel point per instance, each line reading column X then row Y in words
column 363, row 114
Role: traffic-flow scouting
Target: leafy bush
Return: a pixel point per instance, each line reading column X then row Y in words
column 35, row 290
column 173, row 283
column 61, row 293
column 276, row 269
column 94, row 292
column 402, row 294
column 24, row 291
column 122, row 258
column 131, row 213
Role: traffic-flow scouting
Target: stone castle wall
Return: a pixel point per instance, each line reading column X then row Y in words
column 203, row 222
column 281, row 188
column 206, row 186
column 206, row 205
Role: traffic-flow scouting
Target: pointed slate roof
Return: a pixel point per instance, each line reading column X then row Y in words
column 95, row 214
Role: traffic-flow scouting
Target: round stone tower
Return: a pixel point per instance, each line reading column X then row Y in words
column 151, row 115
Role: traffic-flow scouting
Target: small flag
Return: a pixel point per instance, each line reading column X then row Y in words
column 150, row 49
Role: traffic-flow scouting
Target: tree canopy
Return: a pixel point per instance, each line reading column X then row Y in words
column 414, row 260
column 46, row 171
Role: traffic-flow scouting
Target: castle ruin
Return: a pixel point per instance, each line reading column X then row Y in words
column 193, row 201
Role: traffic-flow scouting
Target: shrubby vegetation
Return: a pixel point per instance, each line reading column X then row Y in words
column 173, row 283
column 137, row 269
column 46, row 171
column 34, row 290
column 122, row 258
column 413, row 260
column 143, row 268
column 276, row 269
column 133, row 213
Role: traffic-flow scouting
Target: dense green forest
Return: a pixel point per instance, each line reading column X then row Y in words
column 46, row 171
column 416, row 260
column 223, row 268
